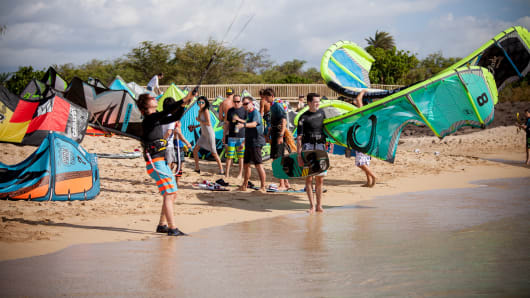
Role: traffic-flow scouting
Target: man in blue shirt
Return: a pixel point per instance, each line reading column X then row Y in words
column 254, row 142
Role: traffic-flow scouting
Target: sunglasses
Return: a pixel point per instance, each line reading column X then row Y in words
column 246, row 103
column 237, row 101
column 200, row 102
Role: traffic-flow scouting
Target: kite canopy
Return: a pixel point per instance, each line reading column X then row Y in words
column 59, row 170
column 462, row 95
column 450, row 100
column 172, row 91
column 111, row 110
column 506, row 56
column 28, row 121
column 345, row 67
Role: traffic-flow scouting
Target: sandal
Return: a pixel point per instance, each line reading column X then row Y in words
column 198, row 171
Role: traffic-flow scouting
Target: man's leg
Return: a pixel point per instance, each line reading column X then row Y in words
column 261, row 174
column 319, row 183
column 309, row 192
column 167, row 209
column 240, row 154
column 246, row 177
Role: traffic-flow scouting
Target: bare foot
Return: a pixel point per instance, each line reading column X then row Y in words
column 365, row 185
column 319, row 209
column 242, row 188
column 311, row 210
column 262, row 190
column 239, row 177
column 373, row 182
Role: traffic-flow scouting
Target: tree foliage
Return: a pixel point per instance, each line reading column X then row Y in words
column 186, row 63
column 391, row 66
column 20, row 79
column 382, row 40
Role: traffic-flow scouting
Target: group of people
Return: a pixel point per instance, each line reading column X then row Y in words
column 246, row 129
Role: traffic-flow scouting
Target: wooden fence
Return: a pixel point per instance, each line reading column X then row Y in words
column 283, row 91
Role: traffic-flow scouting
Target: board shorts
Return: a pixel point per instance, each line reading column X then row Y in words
column 253, row 155
column 528, row 142
column 233, row 145
column 362, row 159
column 160, row 172
column 310, row 146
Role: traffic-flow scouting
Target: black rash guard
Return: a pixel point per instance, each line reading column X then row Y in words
column 152, row 125
column 311, row 127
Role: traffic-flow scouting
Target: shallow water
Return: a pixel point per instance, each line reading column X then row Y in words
column 459, row 242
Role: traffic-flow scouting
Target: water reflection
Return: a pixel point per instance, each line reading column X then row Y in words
column 451, row 243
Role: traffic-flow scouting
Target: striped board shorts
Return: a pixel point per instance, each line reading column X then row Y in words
column 162, row 175
column 233, row 145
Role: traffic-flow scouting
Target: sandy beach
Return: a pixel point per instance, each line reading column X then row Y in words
column 129, row 205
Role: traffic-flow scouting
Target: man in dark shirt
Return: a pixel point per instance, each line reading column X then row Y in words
column 154, row 145
column 236, row 137
column 277, row 129
column 311, row 137
column 254, row 142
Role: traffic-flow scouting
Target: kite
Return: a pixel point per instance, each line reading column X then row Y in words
column 462, row 95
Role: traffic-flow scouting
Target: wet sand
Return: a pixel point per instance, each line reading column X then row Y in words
column 452, row 242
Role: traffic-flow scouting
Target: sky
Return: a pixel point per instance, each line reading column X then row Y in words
column 44, row 33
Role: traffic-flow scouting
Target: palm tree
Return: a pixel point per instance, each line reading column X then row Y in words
column 381, row 40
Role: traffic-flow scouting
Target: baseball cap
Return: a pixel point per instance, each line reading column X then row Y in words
column 229, row 91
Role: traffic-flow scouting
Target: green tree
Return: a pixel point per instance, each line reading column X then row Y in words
column 147, row 60
column 4, row 76
column 256, row 63
column 390, row 66
column 20, row 79
column 190, row 61
column 381, row 40
column 430, row 66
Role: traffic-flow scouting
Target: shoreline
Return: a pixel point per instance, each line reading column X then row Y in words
column 128, row 206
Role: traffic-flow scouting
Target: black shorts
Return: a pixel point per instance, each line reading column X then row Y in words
column 527, row 142
column 253, row 155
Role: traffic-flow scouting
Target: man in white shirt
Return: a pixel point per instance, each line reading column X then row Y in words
column 153, row 84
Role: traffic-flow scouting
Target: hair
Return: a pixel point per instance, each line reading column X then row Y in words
column 167, row 102
column 261, row 92
column 142, row 101
column 160, row 74
column 268, row 92
column 300, row 96
column 237, row 95
column 247, row 97
column 206, row 102
column 311, row 96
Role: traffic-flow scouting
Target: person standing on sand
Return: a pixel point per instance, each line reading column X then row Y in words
column 277, row 130
column 178, row 142
column 264, row 110
column 363, row 160
column 207, row 138
column 226, row 105
column 254, row 142
column 311, row 137
column 526, row 127
column 235, row 137
column 154, row 146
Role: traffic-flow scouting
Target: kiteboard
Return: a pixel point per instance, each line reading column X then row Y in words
column 315, row 162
